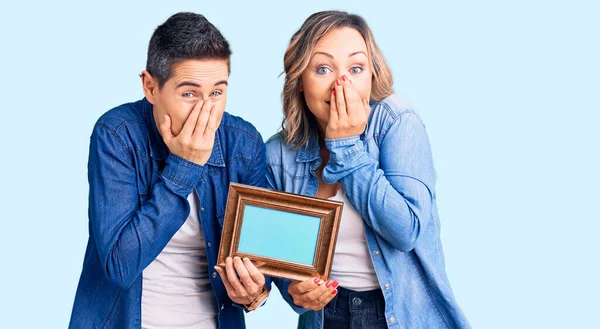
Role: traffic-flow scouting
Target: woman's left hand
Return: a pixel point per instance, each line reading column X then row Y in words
column 348, row 112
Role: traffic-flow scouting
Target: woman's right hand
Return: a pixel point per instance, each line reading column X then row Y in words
column 349, row 113
column 312, row 294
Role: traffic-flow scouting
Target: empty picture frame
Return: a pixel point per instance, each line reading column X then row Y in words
column 286, row 235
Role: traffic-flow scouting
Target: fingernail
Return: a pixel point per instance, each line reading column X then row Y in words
column 335, row 284
column 337, row 82
column 334, row 292
column 344, row 78
column 334, row 93
column 316, row 280
column 328, row 284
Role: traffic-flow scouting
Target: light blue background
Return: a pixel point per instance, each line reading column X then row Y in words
column 508, row 91
column 278, row 234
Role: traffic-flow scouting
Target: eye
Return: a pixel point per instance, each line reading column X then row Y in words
column 216, row 93
column 356, row 70
column 188, row 95
column 323, row 70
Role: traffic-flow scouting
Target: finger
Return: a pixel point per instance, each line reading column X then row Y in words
column 255, row 274
column 233, row 279
column 340, row 101
column 308, row 285
column 225, row 280
column 202, row 119
column 190, row 122
column 216, row 114
column 326, row 297
column 351, row 97
column 314, row 295
column 333, row 114
column 249, row 284
column 165, row 129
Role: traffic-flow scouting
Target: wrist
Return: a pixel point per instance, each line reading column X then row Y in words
column 258, row 300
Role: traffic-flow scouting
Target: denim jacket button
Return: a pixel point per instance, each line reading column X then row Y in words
column 387, row 286
column 392, row 319
column 209, row 244
column 376, row 252
column 214, row 275
column 201, row 208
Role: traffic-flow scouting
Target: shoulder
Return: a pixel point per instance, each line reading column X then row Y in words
column 277, row 149
column 121, row 115
column 240, row 138
column 236, row 126
column 390, row 111
column 124, row 122
column 392, row 108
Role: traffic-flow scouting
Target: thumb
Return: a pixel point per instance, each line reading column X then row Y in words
column 165, row 129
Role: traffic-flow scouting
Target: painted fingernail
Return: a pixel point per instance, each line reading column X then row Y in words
column 316, row 280
column 334, row 292
column 344, row 78
column 337, row 82
column 334, row 93
column 328, row 284
column 335, row 284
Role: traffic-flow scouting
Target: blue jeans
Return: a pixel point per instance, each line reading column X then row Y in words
column 353, row 310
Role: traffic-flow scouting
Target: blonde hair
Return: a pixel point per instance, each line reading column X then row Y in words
column 298, row 122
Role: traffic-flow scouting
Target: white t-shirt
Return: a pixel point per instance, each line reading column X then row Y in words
column 352, row 266
column 176, row 291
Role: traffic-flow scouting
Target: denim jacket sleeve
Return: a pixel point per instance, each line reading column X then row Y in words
column 255, row 176
column 130, row 233
column 394, row 194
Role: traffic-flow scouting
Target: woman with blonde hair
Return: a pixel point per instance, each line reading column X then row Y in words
column 346, row 137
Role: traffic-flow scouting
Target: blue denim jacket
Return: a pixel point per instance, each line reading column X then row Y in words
column 138, row 201
column 388, row 175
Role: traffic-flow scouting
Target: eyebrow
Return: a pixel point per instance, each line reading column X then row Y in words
column 193, row 84
column 331, row 56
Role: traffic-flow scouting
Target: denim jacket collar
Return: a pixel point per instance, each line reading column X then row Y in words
column 310, row 152
column 158, row 149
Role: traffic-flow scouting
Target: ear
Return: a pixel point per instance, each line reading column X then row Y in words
column 150, row 86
